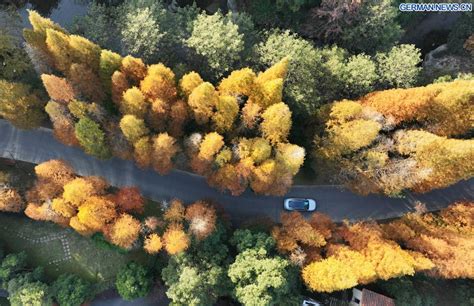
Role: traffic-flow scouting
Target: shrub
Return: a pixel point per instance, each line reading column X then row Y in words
column 399, row 67
column 133, row 281
column 71, row 290
column 461, row 31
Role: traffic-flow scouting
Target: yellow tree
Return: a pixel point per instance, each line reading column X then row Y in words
column 109, row 63
column 175, row 240
column 55, row 170
column 164, row 149
column 251, row 114
column 175, row 212
column 446, row 160
column 64, row 208
column 124, row 231
column 329, row 275
column 210, row 146
column 96, row 213
column 153, row 244
column 239, row 82
column 78, row 191
column 290, row 156
column 85, row 52
column 58, row 46
column 159, row 83
column 134, row 103
column 276, row 123
column 133, row 68
column 133, row 128
column 189, row 82
column 143, row 150
column 227, row 110
column 202, row 100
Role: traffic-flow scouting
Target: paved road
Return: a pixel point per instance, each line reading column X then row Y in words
column 39, row 145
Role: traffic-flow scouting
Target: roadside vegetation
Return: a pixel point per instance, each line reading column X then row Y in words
column 201, row 257
column 229, row 123
column 252, row 98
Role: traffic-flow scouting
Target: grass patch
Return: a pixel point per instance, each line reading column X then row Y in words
column 61, row 250
column 47, row 245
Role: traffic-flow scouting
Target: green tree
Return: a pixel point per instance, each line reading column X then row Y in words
column 462, row 29
column 34, row 294
column 375, row 28
column 133, row 281
column 140, row 30
column 12, row 264
column 301, row 84
column 92, row 138
column 71, row 290
column 97, row 25
column 218, row 41
column 189, row 285
column 15, row 62
column 198, row 276
column 399, row 66
column 261, row 279
column 244, row 239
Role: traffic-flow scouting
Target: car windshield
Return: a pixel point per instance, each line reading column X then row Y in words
column 299, row 204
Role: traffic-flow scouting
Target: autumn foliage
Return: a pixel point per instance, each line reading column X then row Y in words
column 399, row 139
column 155, row 109
column 346, row 255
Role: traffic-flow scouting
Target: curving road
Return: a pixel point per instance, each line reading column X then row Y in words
column 39, row 145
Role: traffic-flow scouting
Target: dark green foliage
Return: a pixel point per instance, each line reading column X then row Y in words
column 71, row 290
column 404, row 291
column 28, row 288
column 464, row 292
column 133, row 281
column 246, row 239
column 12, row 264
column 375, row 28
column 31, row 293
column 92, row 138
column 260, row 279
column 279, row 13
column 97, row 26
column 463, row 28
column 199, row 275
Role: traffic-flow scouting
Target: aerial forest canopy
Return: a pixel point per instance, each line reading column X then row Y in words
column 400, row 139
column 235, row 133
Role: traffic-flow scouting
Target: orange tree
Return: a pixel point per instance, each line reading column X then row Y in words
column 113, row 105
column 399, row 139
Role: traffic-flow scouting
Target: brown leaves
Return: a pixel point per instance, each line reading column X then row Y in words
column 202, row 219
column 129, row 199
